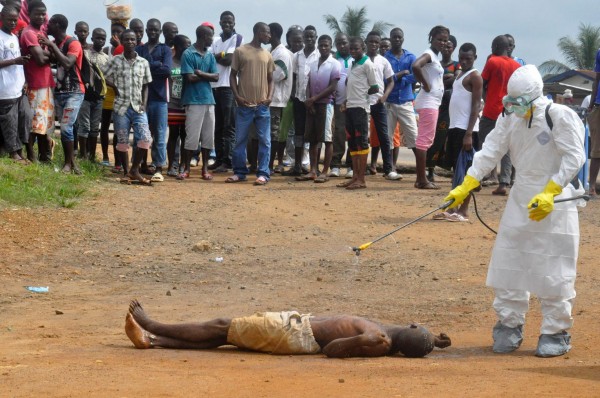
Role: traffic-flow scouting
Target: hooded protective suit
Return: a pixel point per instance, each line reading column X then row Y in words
column 529, row 256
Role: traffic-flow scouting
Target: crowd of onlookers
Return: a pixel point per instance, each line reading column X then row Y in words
column 231, row 105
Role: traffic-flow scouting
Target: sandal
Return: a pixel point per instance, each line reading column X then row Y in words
column 426, row 185
column 344, row 184
column 207, row 177
column 261, row 181
column 135, row 181
column 306, row 177
column 441, row 216
column 455, row 217
column 355, row 186
column 157, row 177
column 321, row 179
column 172, row 173
column 183, row 175
column 235, row 178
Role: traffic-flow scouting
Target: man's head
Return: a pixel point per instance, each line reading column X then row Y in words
column 227, row 22
column 182, row 42
column 397, row 39
column 37, row 13
column 138, row 28
column 129, row 40
column 262, row 33
column 13, row 3
column 276, row 32
column 57, row 25
column 170, row 30
column 9, row 16
column 324, row 45
column 500, row 45
column 153, row 30
column 342, row 44
column 82, row 31
column 98, row 38
column 309, row 38
column 204, row 36
column 373, row 41
column 467, row 54
column 293, row 38
column 116, row 29
column 511, row 44
column 413, row 342
column 357, row 48
column 385, row 45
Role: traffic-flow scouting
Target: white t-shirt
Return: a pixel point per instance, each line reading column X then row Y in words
column 340, row 91
column 12, row 78
column 283, row 77
column 383, row 71
column 229, row 47
column 434, row 73
column 361, row 78
column 302, row 70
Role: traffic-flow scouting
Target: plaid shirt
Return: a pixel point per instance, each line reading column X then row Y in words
column 129, row 77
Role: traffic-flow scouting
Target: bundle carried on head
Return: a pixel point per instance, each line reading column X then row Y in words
column 118, row 11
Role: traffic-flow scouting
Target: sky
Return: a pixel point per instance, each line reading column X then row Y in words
column 537, row 25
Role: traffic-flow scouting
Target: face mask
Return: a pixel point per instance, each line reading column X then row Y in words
column 520, row 106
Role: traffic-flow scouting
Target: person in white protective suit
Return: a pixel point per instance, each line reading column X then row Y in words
column 537, row 244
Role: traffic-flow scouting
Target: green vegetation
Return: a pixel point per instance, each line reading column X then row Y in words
column 44, row 185
column 354, row 22
column 580, row 53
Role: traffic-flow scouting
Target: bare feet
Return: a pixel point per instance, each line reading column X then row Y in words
column 138, row 336
column 138, row 313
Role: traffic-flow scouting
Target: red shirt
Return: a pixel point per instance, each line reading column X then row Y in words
column 75, row 72
column 36, row 76
column 497, row 70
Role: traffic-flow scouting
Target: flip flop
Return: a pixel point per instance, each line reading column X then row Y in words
column 344, row 184
column 183, row 175
column 134, row 181
column 321, row 179
column 355, row 186
column 207, row 177
column 235, row 178
column 427, row 185
column 261, row 181
column 306, row 178
column 455, row 217
column 440, row 216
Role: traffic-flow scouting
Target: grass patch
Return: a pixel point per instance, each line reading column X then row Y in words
column 44, row 185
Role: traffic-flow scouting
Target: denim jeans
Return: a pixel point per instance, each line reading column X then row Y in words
column 88, row 121
column 260, row 116
column 379, row 116
column 224, row 124
column 141, row 132
column 157, row 120
column 67, row 108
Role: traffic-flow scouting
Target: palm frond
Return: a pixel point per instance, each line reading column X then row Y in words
column 552, row 67
column 382, row 27
column 332, row 23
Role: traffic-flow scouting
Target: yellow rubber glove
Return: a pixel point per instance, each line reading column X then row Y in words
column 461, row 192
column 545, row 201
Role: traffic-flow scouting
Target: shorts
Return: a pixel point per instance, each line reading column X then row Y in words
column 357, row 130
column 402, row 115
column 41, row 101
column 314, row 130
column 141, row 130
column 454, row 145
column 286, row 332
column 594, row 124
column 15, row 123
column 276, row 113
column 427, row 126
column 199, row 127
column 287, row 121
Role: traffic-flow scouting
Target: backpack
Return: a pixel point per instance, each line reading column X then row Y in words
column 91, row 76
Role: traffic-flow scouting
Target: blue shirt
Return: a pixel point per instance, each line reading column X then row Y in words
column 199, row 93
column 161, row 63
column 402, row 91
column 597, row 70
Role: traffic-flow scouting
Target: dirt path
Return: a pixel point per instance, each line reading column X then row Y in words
column 284, row 246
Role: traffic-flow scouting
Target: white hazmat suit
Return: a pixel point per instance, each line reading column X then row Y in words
column 529, row 256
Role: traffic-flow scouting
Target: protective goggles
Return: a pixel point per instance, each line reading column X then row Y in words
column 512, row 104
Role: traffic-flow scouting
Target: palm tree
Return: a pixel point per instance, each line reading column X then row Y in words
column 354, row 22
column 579, row 53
